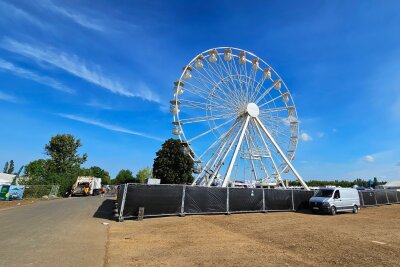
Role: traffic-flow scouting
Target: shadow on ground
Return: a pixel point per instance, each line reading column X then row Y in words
column 105, row 210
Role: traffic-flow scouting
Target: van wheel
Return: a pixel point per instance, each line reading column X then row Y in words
column 355, row 209
column 333, row 211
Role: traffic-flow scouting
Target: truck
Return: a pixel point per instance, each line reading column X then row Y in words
column 86, row 185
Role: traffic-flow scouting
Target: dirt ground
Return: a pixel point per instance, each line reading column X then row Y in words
column 14, row 203
column 369, row 238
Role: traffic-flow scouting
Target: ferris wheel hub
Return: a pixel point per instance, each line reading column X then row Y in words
column 253, row 110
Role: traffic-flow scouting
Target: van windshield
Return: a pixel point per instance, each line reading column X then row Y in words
column 324, row 193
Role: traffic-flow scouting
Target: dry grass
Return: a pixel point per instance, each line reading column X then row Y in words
column 271, row 239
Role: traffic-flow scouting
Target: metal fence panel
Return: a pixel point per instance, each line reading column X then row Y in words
column 205, row 199
column 276, row 199
column 301, row 199
column 156, row 200
column 381, row 197
column 368, row 198
column 392, row 196
column 245, row 199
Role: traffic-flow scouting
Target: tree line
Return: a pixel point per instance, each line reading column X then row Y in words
column 173, row 165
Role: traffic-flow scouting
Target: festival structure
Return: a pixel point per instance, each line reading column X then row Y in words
column 236, row 118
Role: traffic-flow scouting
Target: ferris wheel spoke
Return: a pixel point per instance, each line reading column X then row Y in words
column 229, row 96
column 239, row 76
column 271, row 100
column 257, row 90
column 221, row 139
column 230, row 75
column 206, row 118
column 192, row 103
column 205, row 97
column 266, row 92
column 222, row 79
column 266, row 111
column 210, row 80
column 209, row 131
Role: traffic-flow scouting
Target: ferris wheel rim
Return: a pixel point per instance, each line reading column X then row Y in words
column 182, row 137
column 176, row 117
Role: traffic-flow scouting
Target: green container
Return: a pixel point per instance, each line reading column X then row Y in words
column 4, row 192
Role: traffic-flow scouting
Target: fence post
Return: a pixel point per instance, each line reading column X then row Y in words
column 263, row 191
column 397, row 197
column 376, row 201
column 361, row 198
column 293, row 201
column 227, row 200
column 121, row 209
column 183, row 201
column 387, row 198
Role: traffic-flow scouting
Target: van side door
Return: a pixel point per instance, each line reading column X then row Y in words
column 337, row 200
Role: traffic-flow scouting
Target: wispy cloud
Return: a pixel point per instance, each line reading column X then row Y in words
column 27, row 74
column 368, row 158
column 320, row 134
column 108, row 126
column 77, row 17
column 8, row 98
column 13, row 12
column 305, row 137
column 73, row 65
column 96, row 104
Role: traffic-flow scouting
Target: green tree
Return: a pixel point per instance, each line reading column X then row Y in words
column 37, row 171
column 144, row 174
column 11, row 168
column 5, row 170
column 96, row 172
column 63, row 152
column 172, row 165
column 376, row 183
column 124, row 176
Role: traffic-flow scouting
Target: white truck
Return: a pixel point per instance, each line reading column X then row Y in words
column 86, row 185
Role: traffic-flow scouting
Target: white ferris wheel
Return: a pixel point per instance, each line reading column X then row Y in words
column 236, row 118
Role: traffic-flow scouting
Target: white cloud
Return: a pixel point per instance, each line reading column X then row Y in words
column 13, row 12
column 96, row 104
column 26, row 74
column 74, row 16
column 334, row 130
column 73, row 65
column 108, row 126
column 8, row 98
column 368, row 158
column 305, row 137
column 320, row 134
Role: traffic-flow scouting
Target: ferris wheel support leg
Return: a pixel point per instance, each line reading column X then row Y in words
column 239, row 143
column 283, row 155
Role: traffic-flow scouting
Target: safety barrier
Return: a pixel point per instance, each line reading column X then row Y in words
column 163, row 200
column 378, row 197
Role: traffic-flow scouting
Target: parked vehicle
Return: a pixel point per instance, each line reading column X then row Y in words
column 86, row 185
column 333, row 200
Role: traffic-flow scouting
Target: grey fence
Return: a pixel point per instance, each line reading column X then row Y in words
column 163, row 200
column 379, row 197
column 39, row 191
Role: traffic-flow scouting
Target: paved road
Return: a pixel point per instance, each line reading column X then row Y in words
column 54, row 233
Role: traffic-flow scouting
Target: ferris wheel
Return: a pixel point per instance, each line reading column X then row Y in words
column 236, row 118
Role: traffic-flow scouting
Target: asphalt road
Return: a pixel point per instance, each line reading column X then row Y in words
column 60, row 232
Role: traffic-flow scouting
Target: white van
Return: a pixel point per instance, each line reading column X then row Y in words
column 333, row 200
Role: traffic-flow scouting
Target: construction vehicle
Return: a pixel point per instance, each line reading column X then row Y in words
column 86, row 185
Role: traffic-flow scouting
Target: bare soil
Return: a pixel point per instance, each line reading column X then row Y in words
column 370, row 238
column 15, row 203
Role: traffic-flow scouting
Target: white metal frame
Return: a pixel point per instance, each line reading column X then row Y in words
column 236, row 99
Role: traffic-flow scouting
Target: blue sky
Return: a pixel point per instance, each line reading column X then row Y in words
column 104, row 72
